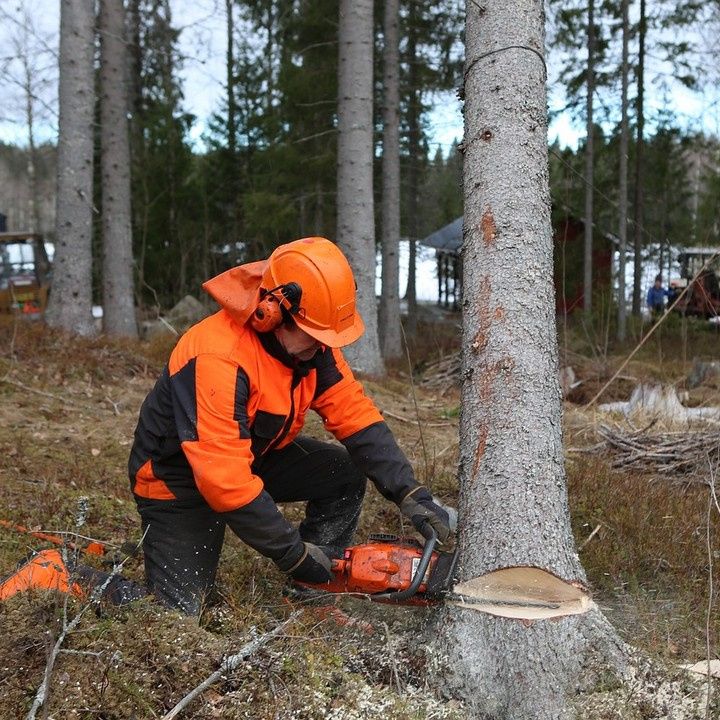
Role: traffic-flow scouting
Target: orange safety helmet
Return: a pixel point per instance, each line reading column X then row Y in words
column 325, row 308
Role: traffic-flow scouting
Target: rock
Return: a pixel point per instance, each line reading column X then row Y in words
column 702, row 371
column 186, row 313
column 151, row 329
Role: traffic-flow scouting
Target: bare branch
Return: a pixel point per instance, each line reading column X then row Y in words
column 229, row 664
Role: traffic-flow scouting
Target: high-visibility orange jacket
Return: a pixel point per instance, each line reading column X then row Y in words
column 229, row 395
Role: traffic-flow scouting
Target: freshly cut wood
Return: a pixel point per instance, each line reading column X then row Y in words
column 524, row 592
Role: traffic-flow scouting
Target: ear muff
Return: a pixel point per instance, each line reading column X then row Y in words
column 268, row 314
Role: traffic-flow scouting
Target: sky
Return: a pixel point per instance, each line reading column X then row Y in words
column 202, row 46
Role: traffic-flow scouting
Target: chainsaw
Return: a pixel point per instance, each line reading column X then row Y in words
column 393, row 569
column 403, row 571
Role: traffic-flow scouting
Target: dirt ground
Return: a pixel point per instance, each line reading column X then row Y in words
column 68, row 409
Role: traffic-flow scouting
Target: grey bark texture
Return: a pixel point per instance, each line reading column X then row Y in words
column 118, row 292
column 589, row 161
column 623, row 179
column 355, row 207
column 70, row 305
column 513, row 502
column 639, row 145
column 389, row 314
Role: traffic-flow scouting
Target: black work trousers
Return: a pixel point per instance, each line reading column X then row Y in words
column 183, row 539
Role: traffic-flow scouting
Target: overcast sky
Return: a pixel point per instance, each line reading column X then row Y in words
column 202, row 46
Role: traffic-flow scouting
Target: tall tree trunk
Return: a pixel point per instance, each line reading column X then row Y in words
column 33, row 209
column 589, row 161
column 137, row 142
column 356, row 220
column 118, row 296
column 70, row 305
column 390, row 335
column 639, row 179
column 513, row 499
column 230, row 75
column 623, row 179
column 232, row 131
column 413, row 182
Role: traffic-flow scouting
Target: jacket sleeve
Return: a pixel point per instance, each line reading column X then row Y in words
column 340, row 399
column 375, row 451
column 353, row 418
column 209, row 395
column 262, row 526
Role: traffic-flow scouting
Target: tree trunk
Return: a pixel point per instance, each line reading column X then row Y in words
column 639, row 180
column 413, row 184
column 389, row 322
column 623, row 179
column 33, row 209
column 356, row 221
column 589, row 160
column 118, row 295
column 70, row 305
column 230, row 75
column 513, row 497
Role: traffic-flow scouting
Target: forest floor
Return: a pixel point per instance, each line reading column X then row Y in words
column 68, row 409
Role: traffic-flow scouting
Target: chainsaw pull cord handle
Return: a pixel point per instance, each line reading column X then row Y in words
column 431, row 539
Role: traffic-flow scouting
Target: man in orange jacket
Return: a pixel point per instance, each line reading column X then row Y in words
column 217, row 442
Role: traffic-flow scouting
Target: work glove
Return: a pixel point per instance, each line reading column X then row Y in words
column 419, row 506
column 313, row 566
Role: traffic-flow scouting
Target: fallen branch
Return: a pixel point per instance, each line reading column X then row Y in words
column 42, row 692
column 229, row 664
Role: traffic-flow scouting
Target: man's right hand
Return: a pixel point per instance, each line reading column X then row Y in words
column 314, row 566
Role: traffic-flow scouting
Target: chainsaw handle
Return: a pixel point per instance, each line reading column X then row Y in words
column 431, row 539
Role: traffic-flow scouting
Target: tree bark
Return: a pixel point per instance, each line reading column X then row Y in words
column 639, row 180
column 589, row 160
column 623, row 179
column 413, row 181
column 513, row 499
column 118, row 292
column 355, row 213
column 70, row 305
column 389, row 316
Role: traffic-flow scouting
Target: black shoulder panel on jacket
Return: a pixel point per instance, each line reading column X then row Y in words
column 185, row 402
column 327, row 372
column 242, row 392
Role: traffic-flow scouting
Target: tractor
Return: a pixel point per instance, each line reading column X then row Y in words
column 24, row 274
column 703, row 296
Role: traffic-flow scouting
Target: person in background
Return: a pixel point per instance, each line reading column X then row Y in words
column 656, row 297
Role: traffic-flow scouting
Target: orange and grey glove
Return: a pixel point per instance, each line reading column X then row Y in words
column 420, row 507
column 313, row 566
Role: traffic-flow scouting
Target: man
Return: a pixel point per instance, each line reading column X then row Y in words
column 217, row 442
column 656, row 297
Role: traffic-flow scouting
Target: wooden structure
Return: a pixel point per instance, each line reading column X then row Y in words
column 568, row 241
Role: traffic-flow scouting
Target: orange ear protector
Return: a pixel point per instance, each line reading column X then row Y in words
column 269, row 313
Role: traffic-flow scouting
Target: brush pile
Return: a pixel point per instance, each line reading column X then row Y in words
column 442, row 374
column 687, row 456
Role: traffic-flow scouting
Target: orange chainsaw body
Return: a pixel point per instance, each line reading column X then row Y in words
column 379, row 567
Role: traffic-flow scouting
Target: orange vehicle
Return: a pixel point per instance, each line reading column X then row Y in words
column 24, row 274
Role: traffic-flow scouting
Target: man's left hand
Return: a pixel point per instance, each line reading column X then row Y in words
column 419, row 506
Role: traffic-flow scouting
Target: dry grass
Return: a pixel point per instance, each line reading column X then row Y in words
column 70, row 438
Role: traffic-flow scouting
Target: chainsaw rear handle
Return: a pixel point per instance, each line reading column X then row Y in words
column 431, row 539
